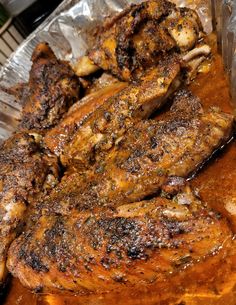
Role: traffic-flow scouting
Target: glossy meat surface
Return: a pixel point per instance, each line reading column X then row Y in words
column 57, row 137
column 52, row 89
column 113, row 118
column 146, row 159
column 92, row 233
column 142, row 35
column 134, row 246
column 25, row 172
column 176, row 145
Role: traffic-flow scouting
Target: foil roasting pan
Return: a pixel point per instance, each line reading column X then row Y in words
column 68, row 31
column 69, row 28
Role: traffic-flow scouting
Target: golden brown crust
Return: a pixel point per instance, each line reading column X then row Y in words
column 91, row 232
column 143, row 35
column 112, row 119
column 141, row 244
column 25, row 174
column 146, row 159
column 57, row 137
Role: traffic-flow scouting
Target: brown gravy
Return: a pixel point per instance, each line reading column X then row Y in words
column 216, row 183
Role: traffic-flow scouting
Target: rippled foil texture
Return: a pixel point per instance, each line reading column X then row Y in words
column 68, row 30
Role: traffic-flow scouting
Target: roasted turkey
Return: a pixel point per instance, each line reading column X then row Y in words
column 93, row 190
column 52, row 88
column 26, row 173
column 134, row 246
column 143, row 35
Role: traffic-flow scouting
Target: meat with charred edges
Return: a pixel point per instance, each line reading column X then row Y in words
column 25, row 174
column 146, row 159
column 52, row 89
column 111, row 120
column 143, row 35
column 90, row 232
column 58, row 137
column 134, row 246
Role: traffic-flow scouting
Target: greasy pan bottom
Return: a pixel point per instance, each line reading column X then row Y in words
column 216, row 183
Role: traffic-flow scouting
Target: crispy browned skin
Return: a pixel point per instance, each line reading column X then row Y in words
column 176, row 145
column 57, row 137
column 146, row 159
column 134, row 246
column 52, row 89
column 111, row 120
column 142, row 35
column 25, row 172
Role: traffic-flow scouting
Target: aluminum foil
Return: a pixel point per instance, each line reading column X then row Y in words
column 224, row 16
column 68, row 31
column 225, row 13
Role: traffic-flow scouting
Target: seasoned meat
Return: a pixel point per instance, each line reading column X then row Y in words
column 142, row 35
column 176, row 145
column 90, row 231
column 57, row 137
column 105, row 80
column 25, row 172
column 146, row 159
column 134, row 246
column 52, row 89
column 111, row 120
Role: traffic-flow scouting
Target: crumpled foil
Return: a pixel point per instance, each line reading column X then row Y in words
column 225, row 14
column 68, row 31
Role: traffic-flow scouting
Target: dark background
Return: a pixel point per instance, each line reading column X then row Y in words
column 31, row 17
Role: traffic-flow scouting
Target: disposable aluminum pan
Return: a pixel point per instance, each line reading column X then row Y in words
column 68, row 31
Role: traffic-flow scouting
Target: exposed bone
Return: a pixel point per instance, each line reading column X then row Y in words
column 203, row 50
column 194, row 65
